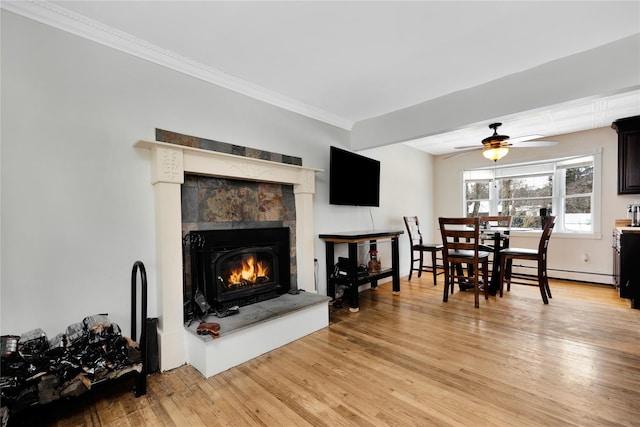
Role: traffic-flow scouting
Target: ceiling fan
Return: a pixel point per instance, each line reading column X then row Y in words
column 496, row 146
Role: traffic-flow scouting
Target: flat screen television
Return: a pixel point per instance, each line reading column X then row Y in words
column 353, row 179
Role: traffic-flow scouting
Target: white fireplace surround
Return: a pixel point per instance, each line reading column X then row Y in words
column 169, row 163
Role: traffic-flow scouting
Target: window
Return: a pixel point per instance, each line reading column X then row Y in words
column 576, row 196
column 565, row 187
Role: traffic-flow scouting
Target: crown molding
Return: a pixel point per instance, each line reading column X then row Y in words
column 79, row 25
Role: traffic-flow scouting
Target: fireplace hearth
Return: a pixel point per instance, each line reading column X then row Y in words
column 239, row 267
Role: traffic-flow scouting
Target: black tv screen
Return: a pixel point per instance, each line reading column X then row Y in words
column 353, row 179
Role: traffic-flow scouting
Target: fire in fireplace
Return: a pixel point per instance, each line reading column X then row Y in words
column 246, row 269
column 239, row 266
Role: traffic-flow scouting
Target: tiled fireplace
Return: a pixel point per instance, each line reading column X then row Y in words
column 169, row 164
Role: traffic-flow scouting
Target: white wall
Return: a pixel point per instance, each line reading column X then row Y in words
column 406, row 188
column 77, row 202
column 565, row 252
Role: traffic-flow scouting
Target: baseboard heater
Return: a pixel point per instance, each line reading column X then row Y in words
column 560, row 274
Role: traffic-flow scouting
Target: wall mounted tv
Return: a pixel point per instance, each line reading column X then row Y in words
column 353, row 179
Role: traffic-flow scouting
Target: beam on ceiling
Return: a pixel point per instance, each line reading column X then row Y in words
column 605, row 70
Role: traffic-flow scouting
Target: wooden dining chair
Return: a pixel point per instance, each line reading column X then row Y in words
column 539, row 255
column 418, row 248
column 492, row 221
column 495, row 221
column 460, row 237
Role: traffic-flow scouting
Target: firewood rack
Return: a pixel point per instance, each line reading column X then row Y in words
column 141, row 380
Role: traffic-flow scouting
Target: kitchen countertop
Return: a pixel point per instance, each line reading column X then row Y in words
column 624, row 226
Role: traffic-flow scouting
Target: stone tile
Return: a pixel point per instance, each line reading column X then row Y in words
column 176, row 138
column 189, row 196
column 224, row 147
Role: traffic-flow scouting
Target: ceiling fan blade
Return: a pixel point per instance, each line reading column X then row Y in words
column 461, row 153
column 525, row 138
column 465, row 147
column 532, row 144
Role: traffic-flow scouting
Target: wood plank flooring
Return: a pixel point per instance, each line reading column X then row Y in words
column 411, row 360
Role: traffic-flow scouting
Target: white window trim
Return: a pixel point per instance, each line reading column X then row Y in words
column 595, row 233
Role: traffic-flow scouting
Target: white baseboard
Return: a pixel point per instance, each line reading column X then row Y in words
column 567, row 275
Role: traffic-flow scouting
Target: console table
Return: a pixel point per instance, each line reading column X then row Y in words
column 353, row 238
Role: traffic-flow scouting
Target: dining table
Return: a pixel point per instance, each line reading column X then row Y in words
column 499, row 237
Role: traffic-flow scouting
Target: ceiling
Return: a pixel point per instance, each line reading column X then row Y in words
column 345, row 62
column 539, row 124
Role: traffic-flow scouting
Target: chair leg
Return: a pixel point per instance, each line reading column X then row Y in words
column 421, row 264
column 452, row 277
column 433, row 267
column 546, row 278
column 459, row 273
column 503, row 266
column 413, row 261
column 546, row 284
column 546, row 281
column 485, row 275
column 476, row 290
column 508, row 273
column 445, row 297
column 541, row 283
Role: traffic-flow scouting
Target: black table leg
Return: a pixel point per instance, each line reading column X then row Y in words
column 395, row 265
column 494, row 284
column 330, row 261
column 353, row 277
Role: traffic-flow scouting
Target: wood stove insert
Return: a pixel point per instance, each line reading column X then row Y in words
column 239, row 267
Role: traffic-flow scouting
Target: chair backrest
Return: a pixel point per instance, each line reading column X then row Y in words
column 496, row 220
column 460, row 234
column 413, row 230
column 546, row 235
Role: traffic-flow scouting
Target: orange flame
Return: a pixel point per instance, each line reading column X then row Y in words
column 249, row 272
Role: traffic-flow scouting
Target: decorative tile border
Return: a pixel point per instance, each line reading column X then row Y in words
column 224, row 147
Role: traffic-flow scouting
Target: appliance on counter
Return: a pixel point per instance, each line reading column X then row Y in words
column 633, row 212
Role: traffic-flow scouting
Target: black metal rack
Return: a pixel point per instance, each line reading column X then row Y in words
column 7, row 410
column 141, row 380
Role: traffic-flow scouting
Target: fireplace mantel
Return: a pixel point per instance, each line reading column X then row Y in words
column 169, row 163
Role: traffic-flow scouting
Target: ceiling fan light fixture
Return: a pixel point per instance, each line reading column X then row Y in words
column 496, row 146
column 495, row 153
column 495, row 138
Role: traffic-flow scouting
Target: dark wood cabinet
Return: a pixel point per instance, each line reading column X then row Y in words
column 626, row 266
column 616, row 259
column 628, row 154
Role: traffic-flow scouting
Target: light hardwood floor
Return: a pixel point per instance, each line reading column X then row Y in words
column 412, row 360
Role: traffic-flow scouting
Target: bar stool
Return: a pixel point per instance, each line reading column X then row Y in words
column 418, row 248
